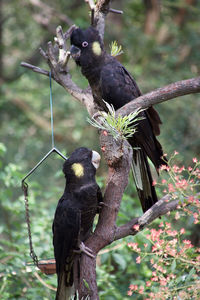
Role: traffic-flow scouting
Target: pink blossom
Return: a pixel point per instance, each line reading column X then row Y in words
column 152, row 295
column 154, row 182
column 155, row 234
column 155, row 278
column 129, row 293
column 181, row 169
column 171, row 188
column 133, row 287
column 138, row 260
column 172, row 233
column 141, row 290
column 187, row 244
column 195, row 215
column 177, row 215
column 190, row 199
column 161, row 224
column 164, row 167
column 163, row 282
column 134, row 247
column 182, row 184
column 148, row 283
column 195, row 160
column 175, row 168
column 182, row 231
column 152, row 261
column 136, row 227
column 168, row 225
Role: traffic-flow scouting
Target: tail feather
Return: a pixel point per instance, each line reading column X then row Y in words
column 143, row 179
column 64, row 292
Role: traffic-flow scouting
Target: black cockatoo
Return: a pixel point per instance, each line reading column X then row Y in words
column 74, row 216
column 110, row 81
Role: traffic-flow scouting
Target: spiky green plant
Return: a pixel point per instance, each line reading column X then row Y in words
column 118, row 126
column 115, row 50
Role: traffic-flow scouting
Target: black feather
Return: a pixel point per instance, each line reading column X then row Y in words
column 111, row 82
column 74, row 216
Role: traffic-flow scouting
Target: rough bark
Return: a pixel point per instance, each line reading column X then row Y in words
column 169, row 92
column 118, row 157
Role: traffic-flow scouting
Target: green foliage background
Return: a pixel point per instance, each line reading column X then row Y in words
column 25, row 128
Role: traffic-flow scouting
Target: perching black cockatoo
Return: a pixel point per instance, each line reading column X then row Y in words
column 111, row 82
column 74, row 216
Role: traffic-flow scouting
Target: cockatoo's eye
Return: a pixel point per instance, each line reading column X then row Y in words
column 84, row 44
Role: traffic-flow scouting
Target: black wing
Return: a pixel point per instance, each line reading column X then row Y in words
column 119, row 88
column 66, row 228
column 89, row 197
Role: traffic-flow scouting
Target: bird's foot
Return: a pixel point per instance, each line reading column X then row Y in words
column 96, row 115
column 85, row 249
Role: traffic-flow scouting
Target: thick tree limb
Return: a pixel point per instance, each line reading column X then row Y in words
column 162, row 207
column 118, row 156
column 168, row 92
column 158, row 209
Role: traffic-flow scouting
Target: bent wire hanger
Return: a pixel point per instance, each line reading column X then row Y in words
column 25, row 190
column 53, row 149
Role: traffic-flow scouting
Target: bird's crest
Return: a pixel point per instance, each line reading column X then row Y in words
column 78, row 169
column 96, row 48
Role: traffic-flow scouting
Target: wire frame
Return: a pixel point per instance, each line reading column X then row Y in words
column 25, row 190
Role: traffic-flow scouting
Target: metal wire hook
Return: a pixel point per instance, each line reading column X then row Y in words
column 25, row 185
column 53, row 149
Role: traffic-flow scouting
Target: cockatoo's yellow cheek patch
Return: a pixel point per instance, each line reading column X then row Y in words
column 96, row 48
column 78, row 169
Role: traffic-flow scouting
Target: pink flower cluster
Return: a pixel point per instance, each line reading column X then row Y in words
column 171, row 254
column 168, row 247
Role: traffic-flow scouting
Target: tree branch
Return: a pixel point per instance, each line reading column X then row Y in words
column 168, row 92
column 158, row 209
column 118, row 156
column 56, row 57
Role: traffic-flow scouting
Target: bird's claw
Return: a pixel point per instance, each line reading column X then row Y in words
column 96, row 115
column 85, row 249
